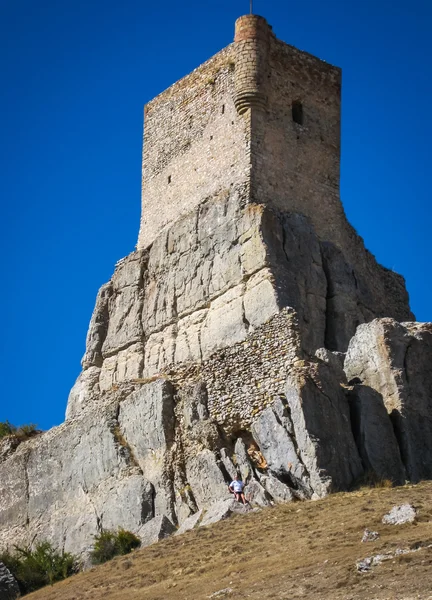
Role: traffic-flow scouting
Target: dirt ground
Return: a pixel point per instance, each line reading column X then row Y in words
column 302, row 550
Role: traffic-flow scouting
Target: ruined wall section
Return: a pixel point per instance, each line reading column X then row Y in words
column 295, row 166
column 195, row 145
column 244, row 379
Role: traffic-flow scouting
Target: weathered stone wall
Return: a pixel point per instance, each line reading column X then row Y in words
column 243, row 379
column 295, row 166
column 195, row 145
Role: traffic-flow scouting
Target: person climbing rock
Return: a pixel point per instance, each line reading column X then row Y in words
column 236, row 487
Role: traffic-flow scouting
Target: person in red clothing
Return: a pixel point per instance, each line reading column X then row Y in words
column 236, row 487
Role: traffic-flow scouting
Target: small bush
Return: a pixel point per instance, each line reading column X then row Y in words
column 22, row 432
column 369, row 479
column 110, row 543
column 6, row 429
column 25, row 431
column 37, row 568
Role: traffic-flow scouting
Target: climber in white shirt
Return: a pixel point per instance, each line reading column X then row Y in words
column 236, row 487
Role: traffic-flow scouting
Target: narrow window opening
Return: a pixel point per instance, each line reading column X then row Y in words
column 223, row 109
column 297, row 112
column 169, row 178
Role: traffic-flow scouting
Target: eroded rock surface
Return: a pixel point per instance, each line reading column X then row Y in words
column 211, row 279
column 215, row 352
column 394, row 360
column 9, row 589
column 374, row 435
column 322, row 428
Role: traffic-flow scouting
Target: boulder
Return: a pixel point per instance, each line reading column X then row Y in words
column 190, row 522
column 206, row 478
column 9, row 589
column 394, row 359
column 321, row 419
column 278, row 490
column 399, row 515
column 370, row 536
column 221, row 510
column 242, row 460
column 273, row 432
column 256, row 494
column 374, row 435
column 228, row 463
column 155, row 530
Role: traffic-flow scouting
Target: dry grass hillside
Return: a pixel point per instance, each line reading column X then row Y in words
column 298, row 550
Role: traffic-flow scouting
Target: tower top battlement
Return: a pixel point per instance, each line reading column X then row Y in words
column 260, row 119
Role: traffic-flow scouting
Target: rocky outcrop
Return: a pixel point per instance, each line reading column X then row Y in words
column 9, row 589
column 394, row 360
column 211, row 279
column 322, row 428
column 374, row 435
column 218, row 351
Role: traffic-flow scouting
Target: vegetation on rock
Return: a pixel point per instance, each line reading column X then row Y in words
column 110, row 543
column 22, row 432
column 44, row 565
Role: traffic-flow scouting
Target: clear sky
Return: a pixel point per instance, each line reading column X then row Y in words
column 74, row 78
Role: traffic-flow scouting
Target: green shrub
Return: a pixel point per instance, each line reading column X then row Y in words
column 110, row 543
column 22, row 432
column 37, row 568
column 26, row 431
column 6, row 428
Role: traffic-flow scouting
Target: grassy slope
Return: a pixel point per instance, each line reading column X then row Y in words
column 298, row 550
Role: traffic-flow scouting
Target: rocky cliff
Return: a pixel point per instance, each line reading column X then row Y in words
column 238, row 342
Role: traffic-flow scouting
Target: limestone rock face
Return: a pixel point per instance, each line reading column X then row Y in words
column 71, row 482
column 218, row 351
column 212, row 278
column 9, row 589
column 322, row 427
column 273, row 431
column 394, row 360
column 146, row 421
column 374, row 434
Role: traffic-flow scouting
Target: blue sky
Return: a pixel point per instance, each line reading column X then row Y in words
column 74, row 79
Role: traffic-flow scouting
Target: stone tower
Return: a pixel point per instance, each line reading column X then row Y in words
column 218, row 346
column 260, row 118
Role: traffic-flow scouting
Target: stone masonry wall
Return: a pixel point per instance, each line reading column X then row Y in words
column 252, row 42
column 198, row 145
column 195, row 145
column 246, row 378
column 295, row 166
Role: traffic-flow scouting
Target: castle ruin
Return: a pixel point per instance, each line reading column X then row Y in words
column 250, row 331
